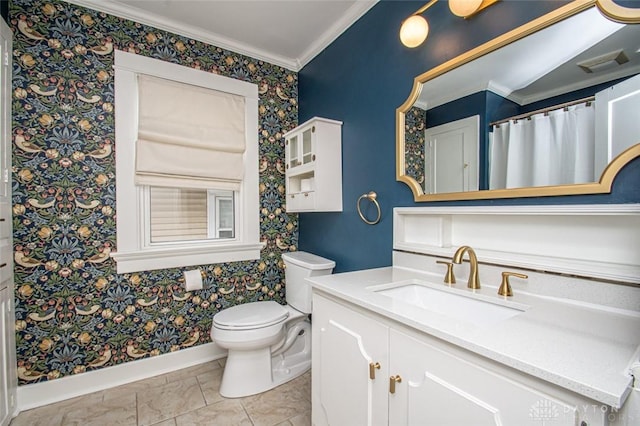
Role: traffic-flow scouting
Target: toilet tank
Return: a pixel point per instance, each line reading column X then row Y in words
column 298, row 266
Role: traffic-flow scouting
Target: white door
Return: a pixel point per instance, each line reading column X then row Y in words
column 8, row 379
column 345, row 344
column 617, row 121
column 451, row 156
column 7, row 389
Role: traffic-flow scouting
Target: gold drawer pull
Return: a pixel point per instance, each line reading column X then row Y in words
column 372, row 369
column 392, row 383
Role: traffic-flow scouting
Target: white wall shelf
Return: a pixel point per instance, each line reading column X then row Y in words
column 598, row 241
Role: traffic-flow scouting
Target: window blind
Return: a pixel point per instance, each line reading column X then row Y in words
column 188, row 136
column 178, row 214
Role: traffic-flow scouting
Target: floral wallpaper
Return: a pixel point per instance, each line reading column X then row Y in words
column 414, row 127
column 74, row 313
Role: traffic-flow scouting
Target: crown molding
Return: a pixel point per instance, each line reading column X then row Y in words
column 161, row 23
column 354, row 13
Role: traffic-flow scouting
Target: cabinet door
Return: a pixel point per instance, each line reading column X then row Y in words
column 292, row 151
column 345, row 343
column 307, row 145
column 444, row 389
column 299, row 148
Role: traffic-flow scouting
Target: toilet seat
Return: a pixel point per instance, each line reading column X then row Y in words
column 250, row 316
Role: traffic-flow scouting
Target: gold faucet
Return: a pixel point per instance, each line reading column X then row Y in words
column 474, row 280
column 505, row 285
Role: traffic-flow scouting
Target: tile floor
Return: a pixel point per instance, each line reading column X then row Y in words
column 184, row 397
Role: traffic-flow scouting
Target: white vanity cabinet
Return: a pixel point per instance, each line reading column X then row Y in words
column 357, row 355
column 313, row 166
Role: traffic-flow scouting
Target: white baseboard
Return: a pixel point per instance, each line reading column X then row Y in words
column 39, row 394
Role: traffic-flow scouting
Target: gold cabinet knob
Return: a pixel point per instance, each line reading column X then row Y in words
column 505, row 286
column 392, row 383
column 449, row 277
column 372, row 369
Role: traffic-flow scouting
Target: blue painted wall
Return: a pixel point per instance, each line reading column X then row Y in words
column 360, row 79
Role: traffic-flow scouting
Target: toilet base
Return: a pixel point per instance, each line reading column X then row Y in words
column 256, row 371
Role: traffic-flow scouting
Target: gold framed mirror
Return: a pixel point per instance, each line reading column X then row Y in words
column 417, row 161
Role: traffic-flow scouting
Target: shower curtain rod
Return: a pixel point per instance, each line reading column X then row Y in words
column 544, row 110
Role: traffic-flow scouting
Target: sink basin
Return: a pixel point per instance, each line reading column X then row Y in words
column 453, row 303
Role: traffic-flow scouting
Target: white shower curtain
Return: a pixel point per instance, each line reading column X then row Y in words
column 556, row 148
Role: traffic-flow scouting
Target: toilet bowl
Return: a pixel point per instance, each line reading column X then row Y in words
column 269, row 344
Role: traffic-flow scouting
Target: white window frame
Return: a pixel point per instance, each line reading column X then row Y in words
column 134, row 252
column 213, row 212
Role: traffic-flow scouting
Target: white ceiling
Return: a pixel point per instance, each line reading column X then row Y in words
column 288, row 33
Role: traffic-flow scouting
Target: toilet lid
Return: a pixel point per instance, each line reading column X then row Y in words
column 251, row 315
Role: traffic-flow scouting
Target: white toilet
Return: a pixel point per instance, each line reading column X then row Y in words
column 269, row 344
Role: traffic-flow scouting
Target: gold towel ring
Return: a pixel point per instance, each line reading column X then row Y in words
column 371, row 196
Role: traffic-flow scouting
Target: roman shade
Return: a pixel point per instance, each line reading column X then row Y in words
column 188, row 136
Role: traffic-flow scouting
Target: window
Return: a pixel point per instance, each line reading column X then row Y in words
column 185, row 214
column 186, row 166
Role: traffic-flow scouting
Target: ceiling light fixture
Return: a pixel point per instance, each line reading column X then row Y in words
column 415, row 29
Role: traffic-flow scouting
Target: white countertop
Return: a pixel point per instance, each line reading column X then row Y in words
column 582, row 347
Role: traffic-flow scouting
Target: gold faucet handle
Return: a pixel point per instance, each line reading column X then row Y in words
column 505, row 286
column 449, row 277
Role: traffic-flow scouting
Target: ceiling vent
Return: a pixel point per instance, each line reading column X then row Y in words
column 604, row 62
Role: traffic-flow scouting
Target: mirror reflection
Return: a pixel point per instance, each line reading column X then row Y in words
column 549, row 109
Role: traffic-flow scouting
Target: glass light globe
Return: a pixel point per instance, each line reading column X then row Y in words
column 464, row 8
column 414, row 31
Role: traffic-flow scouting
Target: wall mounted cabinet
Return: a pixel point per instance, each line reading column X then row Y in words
column 313, row 156
column 369, row 370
